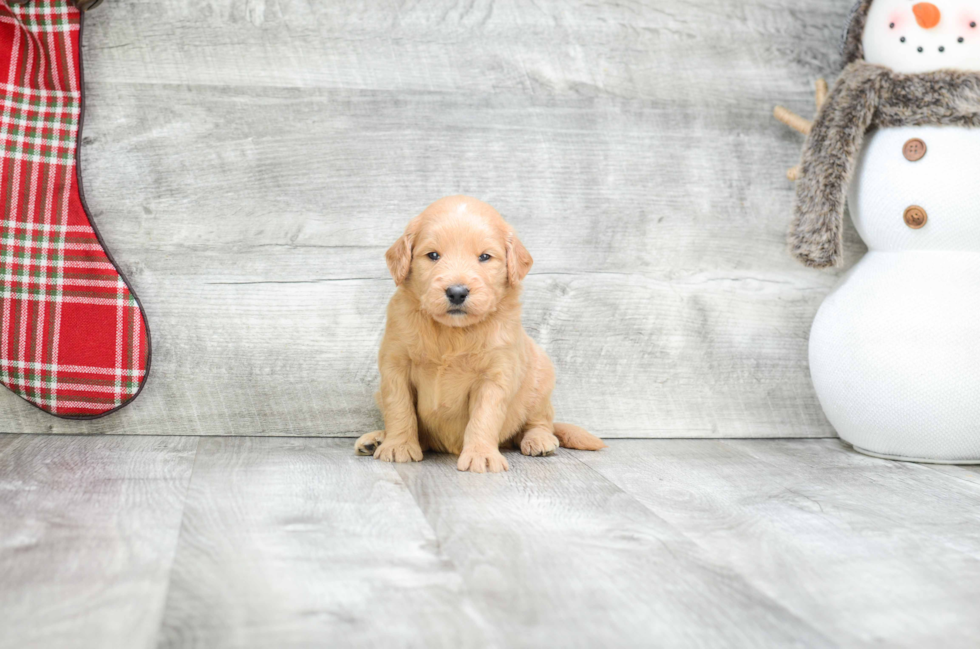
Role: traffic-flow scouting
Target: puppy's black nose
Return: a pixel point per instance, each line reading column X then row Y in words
column 457, row 294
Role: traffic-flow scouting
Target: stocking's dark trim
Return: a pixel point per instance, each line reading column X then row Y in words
column 88, row 214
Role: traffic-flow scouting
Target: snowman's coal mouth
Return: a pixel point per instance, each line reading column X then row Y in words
column 942, row 48
column 921, row 50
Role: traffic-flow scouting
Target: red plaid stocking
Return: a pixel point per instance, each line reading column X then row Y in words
column 73, row 339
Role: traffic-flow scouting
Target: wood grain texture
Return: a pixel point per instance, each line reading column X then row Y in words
column 969, row 473
column 274, row 542
column 556, row 555
column 249, row 162
column 299, row 543
column 88, row 528
column 867, row 551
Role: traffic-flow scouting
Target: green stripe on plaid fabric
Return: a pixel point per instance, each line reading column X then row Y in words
column 59, row 346
column 48, row 380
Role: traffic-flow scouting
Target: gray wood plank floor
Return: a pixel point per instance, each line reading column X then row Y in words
column 249, row 162
column 275, row 542
column 88, row 528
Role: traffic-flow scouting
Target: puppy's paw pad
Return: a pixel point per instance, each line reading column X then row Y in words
column 482, row 461
column 539, row 445
column 369, row 443
column 399, row 452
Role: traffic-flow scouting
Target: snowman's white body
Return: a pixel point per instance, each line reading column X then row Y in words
column 895, row 349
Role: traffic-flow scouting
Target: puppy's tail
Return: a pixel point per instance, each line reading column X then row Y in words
column 572, row 436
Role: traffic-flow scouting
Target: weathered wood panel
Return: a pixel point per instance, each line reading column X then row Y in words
column 299, row 543
column 249, row 163
column 865, row 550
column 555, row 554
column 88, row 528
column 256, row 542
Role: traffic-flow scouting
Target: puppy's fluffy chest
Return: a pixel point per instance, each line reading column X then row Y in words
column 445, row 373
column 443, row 380
column 443, row 388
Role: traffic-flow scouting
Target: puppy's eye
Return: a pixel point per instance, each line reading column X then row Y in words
column 485, row 257
column 434, row 256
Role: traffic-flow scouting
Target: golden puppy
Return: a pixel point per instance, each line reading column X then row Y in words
column 458, row 372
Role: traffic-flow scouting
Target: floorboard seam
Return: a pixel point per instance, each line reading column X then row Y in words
column 356, row 435
column 709, row 554
column 470, row 600
column 176, row 545
column 933, row 469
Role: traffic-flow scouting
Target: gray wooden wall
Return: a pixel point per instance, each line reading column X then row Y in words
column 249, row 161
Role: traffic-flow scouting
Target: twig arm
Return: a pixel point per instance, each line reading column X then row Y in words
column 821, row 93
column 792, row 120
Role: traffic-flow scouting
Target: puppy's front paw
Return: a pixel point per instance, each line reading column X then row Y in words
column 482, row 460
column 400, row 452
column 539, row 442
column 369, row 443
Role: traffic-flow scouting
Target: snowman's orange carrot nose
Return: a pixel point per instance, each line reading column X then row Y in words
column 927, row 15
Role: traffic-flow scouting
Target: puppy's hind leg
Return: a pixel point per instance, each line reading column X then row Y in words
column 538, row 438
column 368, row 444
column 538, row 441
column 572, row 436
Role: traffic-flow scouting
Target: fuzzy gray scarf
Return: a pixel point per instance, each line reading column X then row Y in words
column 866, row 97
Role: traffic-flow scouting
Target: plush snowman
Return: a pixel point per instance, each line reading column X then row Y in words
column 895, row 349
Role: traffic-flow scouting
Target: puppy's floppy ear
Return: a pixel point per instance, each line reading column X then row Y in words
column 518, row 260
column 399, row 256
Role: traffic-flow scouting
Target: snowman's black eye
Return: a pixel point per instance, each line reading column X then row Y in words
column 920, row 49
column 891, row 26
column 942, row 49
column 902, row 39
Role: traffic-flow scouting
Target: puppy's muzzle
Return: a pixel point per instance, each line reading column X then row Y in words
column 456, row 294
